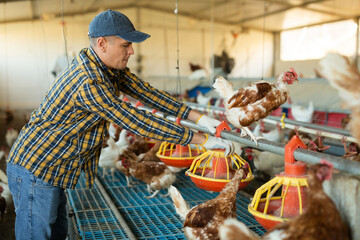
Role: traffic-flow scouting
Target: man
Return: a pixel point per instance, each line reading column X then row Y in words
column 65, row 134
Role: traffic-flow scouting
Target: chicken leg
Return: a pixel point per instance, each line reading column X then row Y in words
column 153, row 195
column 246, row 131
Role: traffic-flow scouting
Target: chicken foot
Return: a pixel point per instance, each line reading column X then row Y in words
column 112, row 172
column 245, row 131
column 153, row 195
column 128, row 182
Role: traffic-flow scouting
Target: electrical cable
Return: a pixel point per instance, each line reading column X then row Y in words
column 5, row 58
column 63, row 32
column 178, row 83
column 212, row 19
column 263, row 46
column 45, row 42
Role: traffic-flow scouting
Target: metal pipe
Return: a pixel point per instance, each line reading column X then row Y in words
column 314, row 131
column 312, row 128
column 72, row 233
column 112, row 206
column 310, row 125
column 303, row 155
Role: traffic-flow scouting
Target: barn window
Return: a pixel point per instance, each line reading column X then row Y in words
column 314, row 42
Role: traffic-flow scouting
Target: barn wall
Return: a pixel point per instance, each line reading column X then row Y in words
column 30, row 49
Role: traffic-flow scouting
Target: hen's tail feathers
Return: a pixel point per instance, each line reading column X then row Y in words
column 180, row 205
column 345, row 77
column 233, row 229
column 223, row 87
column 340, row 72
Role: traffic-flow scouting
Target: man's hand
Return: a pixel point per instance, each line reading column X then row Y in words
column 208, row 122
column 219, row 143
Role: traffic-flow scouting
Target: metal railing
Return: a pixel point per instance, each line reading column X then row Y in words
column 303, row 155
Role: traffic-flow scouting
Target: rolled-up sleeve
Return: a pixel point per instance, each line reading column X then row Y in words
column 100, row 98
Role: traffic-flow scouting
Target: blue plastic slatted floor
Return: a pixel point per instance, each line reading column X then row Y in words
column 147, row 218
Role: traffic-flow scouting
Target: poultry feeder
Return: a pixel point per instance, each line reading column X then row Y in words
column 211, row 171
column 272, row 210
column 176, row 155
column 150, row 142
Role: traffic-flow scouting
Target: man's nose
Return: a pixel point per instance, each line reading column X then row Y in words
column 131, row 50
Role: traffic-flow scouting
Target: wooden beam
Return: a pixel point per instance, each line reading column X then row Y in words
column 306, row 7
column 278, row 11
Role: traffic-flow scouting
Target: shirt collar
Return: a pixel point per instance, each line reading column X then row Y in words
column 95, row 58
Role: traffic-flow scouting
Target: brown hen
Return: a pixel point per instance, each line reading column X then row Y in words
column 202, row 221
column 156, row 175
column 320, row 220
column 254, row 102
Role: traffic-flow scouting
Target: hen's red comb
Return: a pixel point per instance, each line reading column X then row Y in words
column 293, row 71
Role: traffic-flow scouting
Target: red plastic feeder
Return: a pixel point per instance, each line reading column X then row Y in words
column 177, row 155
column 150, row 142
column 272, row 210
column 212, row 170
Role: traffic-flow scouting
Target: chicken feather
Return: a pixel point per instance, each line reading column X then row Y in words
column 320, row 219
column 254, row 102
column 344, row 76
column 202, row 221
column 156, row 175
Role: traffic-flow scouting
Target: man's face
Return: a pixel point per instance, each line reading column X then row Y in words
column 118, row 52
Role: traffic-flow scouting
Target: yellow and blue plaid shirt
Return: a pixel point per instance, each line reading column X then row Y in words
column 65, row 134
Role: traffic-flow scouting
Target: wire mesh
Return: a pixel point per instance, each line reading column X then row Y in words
column 153, row 218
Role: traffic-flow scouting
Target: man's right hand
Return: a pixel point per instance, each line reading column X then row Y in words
column 219, row 143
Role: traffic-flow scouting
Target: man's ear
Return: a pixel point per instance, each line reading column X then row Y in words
column 102, row 44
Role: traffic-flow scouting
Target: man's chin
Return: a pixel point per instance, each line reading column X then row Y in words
column 120, row 68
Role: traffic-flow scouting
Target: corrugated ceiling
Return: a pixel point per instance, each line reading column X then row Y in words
column 278, row 14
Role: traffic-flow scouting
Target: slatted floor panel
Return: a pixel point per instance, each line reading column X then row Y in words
column 147, row 218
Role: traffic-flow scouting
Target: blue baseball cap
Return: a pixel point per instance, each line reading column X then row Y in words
column 113, row 23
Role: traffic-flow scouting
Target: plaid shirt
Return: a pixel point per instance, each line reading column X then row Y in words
column 65, row 134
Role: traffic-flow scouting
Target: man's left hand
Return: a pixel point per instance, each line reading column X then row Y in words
column 208, row 122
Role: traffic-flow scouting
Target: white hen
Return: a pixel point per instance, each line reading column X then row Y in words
column 274, row 135
column 301, row 113
column 11, row 136
column 110, row 154
column 108, row 157
column 268, row 162
column 202, row 99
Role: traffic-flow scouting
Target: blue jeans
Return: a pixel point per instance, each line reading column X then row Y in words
column 40, row 207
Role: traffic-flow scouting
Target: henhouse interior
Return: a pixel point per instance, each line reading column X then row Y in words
column 180, row 119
